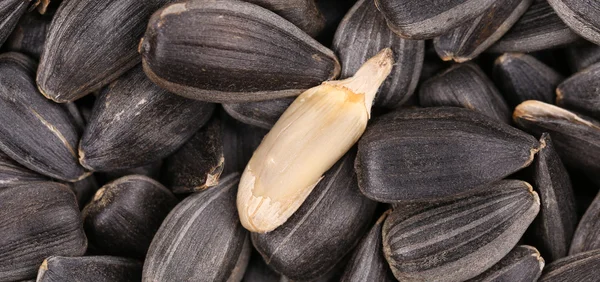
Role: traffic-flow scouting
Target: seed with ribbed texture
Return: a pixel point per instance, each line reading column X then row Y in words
column 239, row 142
column 539, row 28
column 13, row 174
column 522, row 77
column 89, row 269
column 10, row 13
column 106, row 32
column 29, row 35
column 244, row 53
column 553, row 229
column 582, row 55
column 364, row 32
column 581, row 267
column 522, row 264
column 465, row 86
column 35, row 132
column 367, row 262
column 263, row 114
column 426, row 19
column 577, row 138
column 472, row 38
column 432, row 153
column 38, row 220
column 459, row 238
column 303, row 13
column 135, row 123
column 587, row 235
column 201, row 239
column 320, row 126
column 580, row 93
column 325, row 228
column 581, row 16
column 125, row 214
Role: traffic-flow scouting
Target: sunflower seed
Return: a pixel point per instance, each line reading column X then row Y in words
column 244, row 53
column 10, row 13
column 522, row 77
column 364, row 32
column 14, row 174
column 263, row 114
column 582, row 55
column 587, row 235
column 522, row 264
column 580, row 93
column 582, row 267
column 35, row 132
column 302, row 13
column 84, row 190
column 239, row 142
column 201, row 239
column 162, row 121
column 315, row 238
column 432, row 153
column 89, row 269
column 472, row 38
column 466, row 86
column 259, row 271
column 428, row 19
column 580, row 16
column 38, row 220
column 106, row 33
column 459, row 238
column 367, row 262
column 539, row 28
column 576, row 137
column 151, row 170
column 125, row 214
column 29, row 35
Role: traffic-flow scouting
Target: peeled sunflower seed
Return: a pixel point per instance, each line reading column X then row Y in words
column 429, row 18
column 432, row 153
column 201, row 239
column 582, row 267
column 10, row 13
column 38, row 220
column 581, row 16
column 553, row 229
column 244, row 53
column 29, row 35
column 587, row 235
column 89, row 269
column 579, row 92
column 335, row 214
column 125, row 214
column 465, row 86
column 367, row 262
column 303, row 13
column 263, row 114
column 107, row 32
column 582, row 55
column 198, row 164
column 320, row 126
column 461, row 237
column 14, row 174
column 577, row 138
column 35, row 132
column 522, row 264
column 362, row 33
column 475, row 36
column 539, row 28
column 162, row 122
column 522, row 77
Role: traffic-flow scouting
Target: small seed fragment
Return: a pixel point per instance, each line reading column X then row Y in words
column 162, row 122
column 361, row 34
column 539, row 28
column 581, row 16
column 582, row 267
column 466, row 86
column 459, row 238
column 367, row 262
column 432, row 153
column 263, row 114
column 522, row 77
column 473, row 37
column 335, row 207
column 320, row 126
column 303, row 13
column 553, row 229
column 35, row 132
column 89, row 269
column 125, row 214
column 201, row 239
column 577, row 138
column 38, row 220
column 523, row 264
column 428, row 18
column 587, row 235
column 244, row 53
column 579, row 92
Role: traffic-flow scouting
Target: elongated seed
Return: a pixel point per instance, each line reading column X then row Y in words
column 29, row 35
column 581, row 267
column 13, row 174
column 263, row 114
column 579, row 92
column 523, row 264
column 587, row 235
column 580, row 16
column 89, row 269
column 10, row 13
column 583, row 55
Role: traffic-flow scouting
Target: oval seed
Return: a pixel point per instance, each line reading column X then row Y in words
column 523, row 264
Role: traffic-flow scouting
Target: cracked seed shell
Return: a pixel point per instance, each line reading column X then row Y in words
column 523, row 264
column 89, row 269
column 579, row 92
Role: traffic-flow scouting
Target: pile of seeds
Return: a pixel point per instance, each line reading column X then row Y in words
column 299, row 140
